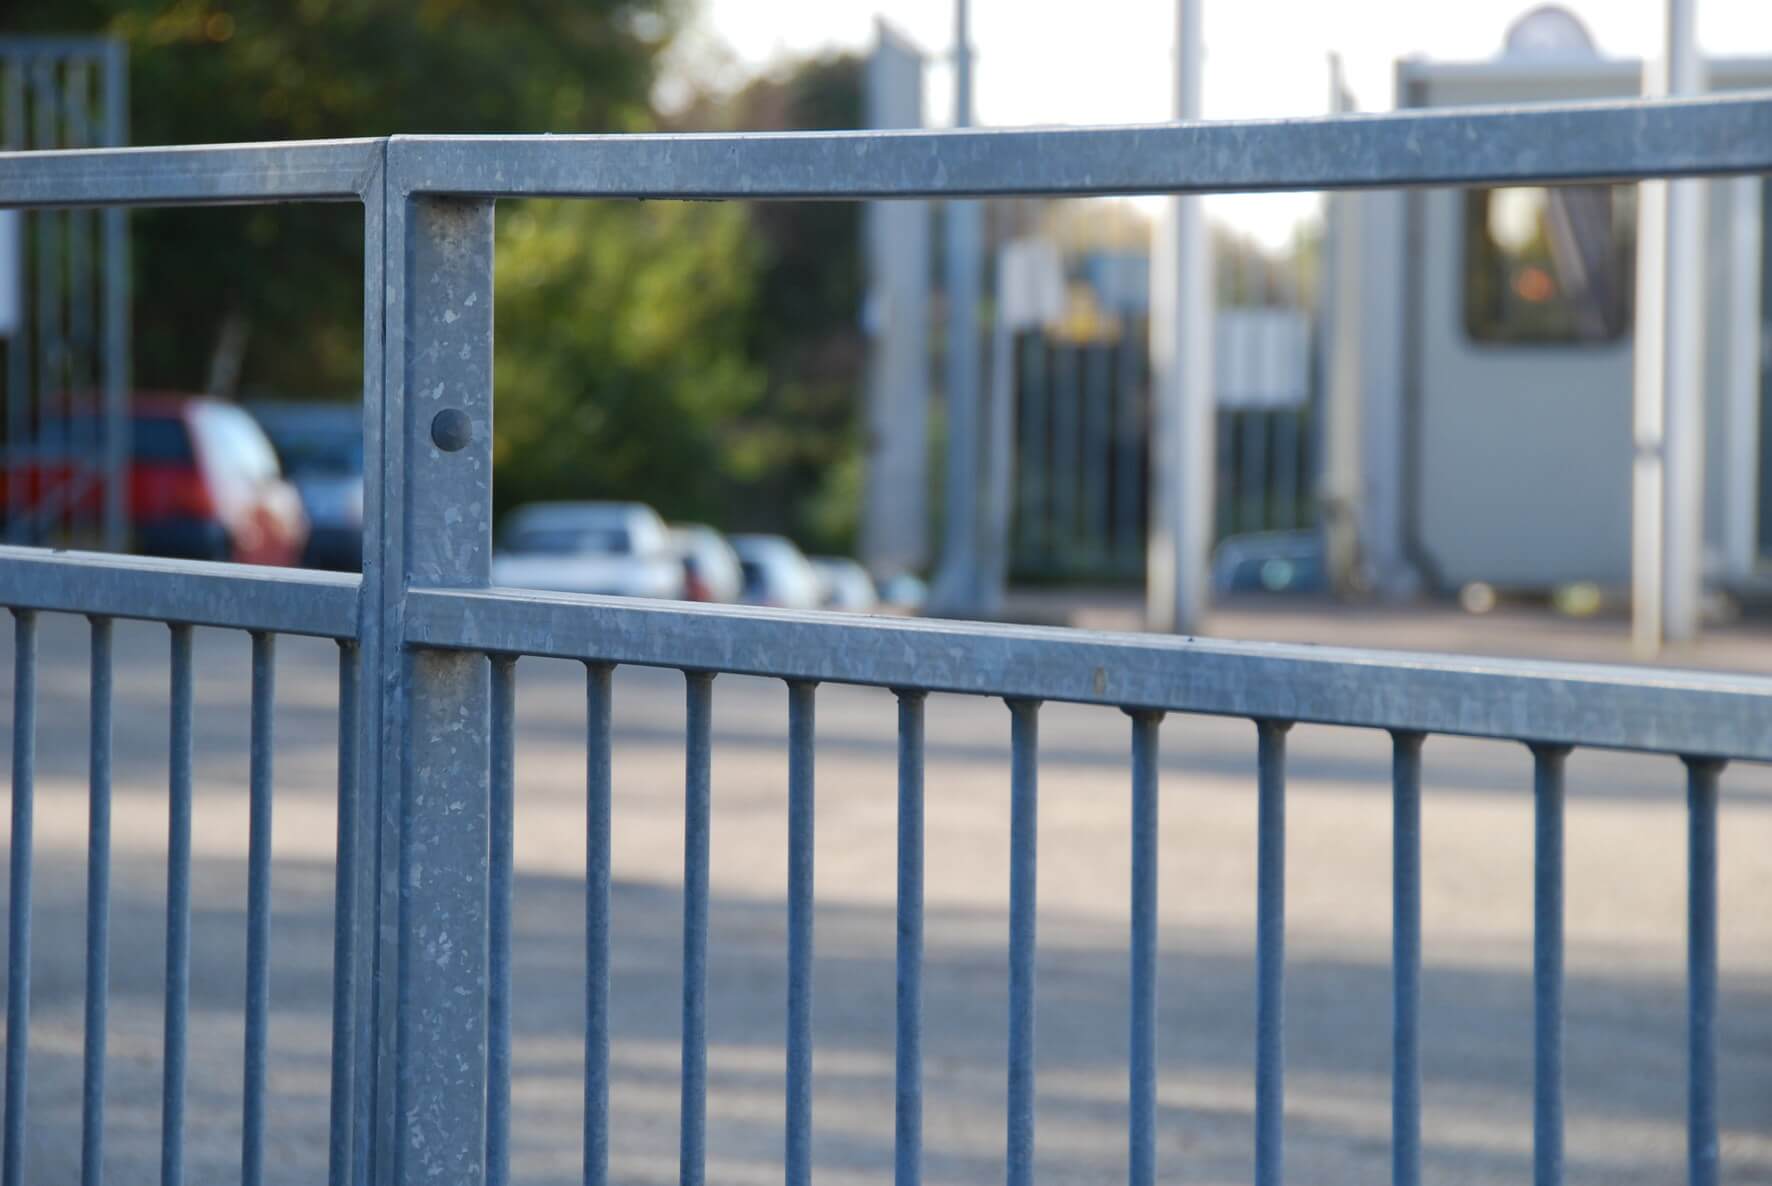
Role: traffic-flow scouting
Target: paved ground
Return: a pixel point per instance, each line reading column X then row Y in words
column 1625, row 920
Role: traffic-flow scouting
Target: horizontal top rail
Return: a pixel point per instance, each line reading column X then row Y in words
column 240, row 596
column 200, row 174
column 1686, row 713
column 1612, row 141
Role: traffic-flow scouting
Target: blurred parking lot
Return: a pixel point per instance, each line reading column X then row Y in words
column 1625, row 1056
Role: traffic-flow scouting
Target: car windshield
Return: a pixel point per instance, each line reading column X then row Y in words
column 569, row 541
column 315, row 443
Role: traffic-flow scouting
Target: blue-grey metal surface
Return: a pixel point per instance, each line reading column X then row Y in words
column 421, row 1051
column 698, row 750
column 348, row 929
column 1535, row 143
column 1406, row 958
column 309, row 171
column 907, row 1141
column 258, row 910
column 18, row 902
column 435, row 724
column 1024, row 804
column 98, row 907
column 178, row 913
column 598, row 706
column 241, row 596
column 1270, row 952
column 1554, row 703
column 1142, row 1020
column 801, row 743
column 1701, row 971
column 501, row 847
column 1547, row 964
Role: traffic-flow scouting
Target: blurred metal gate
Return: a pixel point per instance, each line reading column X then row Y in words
column 422, row 1057
column 1083, row 449
column 64, row 279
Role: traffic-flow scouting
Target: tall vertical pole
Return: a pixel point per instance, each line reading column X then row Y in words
column 1181, row 381
column 1340, row 490
column 957, row 587
column 1667, row 491
column 115, row 316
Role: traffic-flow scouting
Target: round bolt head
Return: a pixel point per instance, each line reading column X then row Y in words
column 451, row 430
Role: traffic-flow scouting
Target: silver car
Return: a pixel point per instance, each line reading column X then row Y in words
column 614, row 548
column 776, row 572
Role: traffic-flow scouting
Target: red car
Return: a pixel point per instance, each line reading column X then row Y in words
column 203, row 482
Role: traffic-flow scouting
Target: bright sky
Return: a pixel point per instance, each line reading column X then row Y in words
column 1109, row 61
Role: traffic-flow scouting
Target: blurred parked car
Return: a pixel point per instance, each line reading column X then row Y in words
column 615, row 548
column 711, row 571
column 905, row 592
column 776, row 573
column 321, row 448
column 845, row 584
column 204, row 483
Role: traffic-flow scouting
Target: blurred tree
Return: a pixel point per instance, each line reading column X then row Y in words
column 281, row 286
column 622, row 363
column 796, row 451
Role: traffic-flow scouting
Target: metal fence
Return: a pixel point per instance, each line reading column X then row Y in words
column 66, row 341
column 1083, row 447
column 421, row 1056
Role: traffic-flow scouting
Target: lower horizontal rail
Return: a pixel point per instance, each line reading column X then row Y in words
column 1687, row 713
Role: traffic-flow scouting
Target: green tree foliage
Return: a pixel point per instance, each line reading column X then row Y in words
column 230, row 70
column 702, row 357
column 621, row 365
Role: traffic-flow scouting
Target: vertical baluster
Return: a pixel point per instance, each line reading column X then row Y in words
column 1547, row 965
column 1024, row 810
column 800, row 856
column 908, row 1082
column 1270, row 955
column 18, row 955
column 501, row 833
column 598, row 703
column 345, row 925
column 98, row 908
column 178, row 913
column 1702, row 776
column 692, row 1145
column 1142, row 1062
column 258, row 912
column 1405, row 958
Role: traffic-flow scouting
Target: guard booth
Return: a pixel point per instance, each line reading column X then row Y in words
column 1494, row 368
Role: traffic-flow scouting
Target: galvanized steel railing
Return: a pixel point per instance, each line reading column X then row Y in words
column 421, row 1058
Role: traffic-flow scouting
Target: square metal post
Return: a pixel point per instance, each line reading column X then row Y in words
column 434, row 505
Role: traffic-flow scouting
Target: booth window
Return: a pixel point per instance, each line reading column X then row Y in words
column 1550, row 265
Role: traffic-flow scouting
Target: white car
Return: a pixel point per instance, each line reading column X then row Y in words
column 846, row 584
column 711, row 571
column 618, row 549
column 776, row 573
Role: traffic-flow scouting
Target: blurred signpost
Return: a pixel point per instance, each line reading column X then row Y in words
column 1183, row 428
column 1667, row 493
column 895, row 514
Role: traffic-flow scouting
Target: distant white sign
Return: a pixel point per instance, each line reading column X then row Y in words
column 1262, row 357
column 11, row 273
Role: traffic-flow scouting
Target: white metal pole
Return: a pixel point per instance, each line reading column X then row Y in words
column 1667, row 488
column 1339, row 329
column 957, row 585
column 1741, row 466
column 1181, row 381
